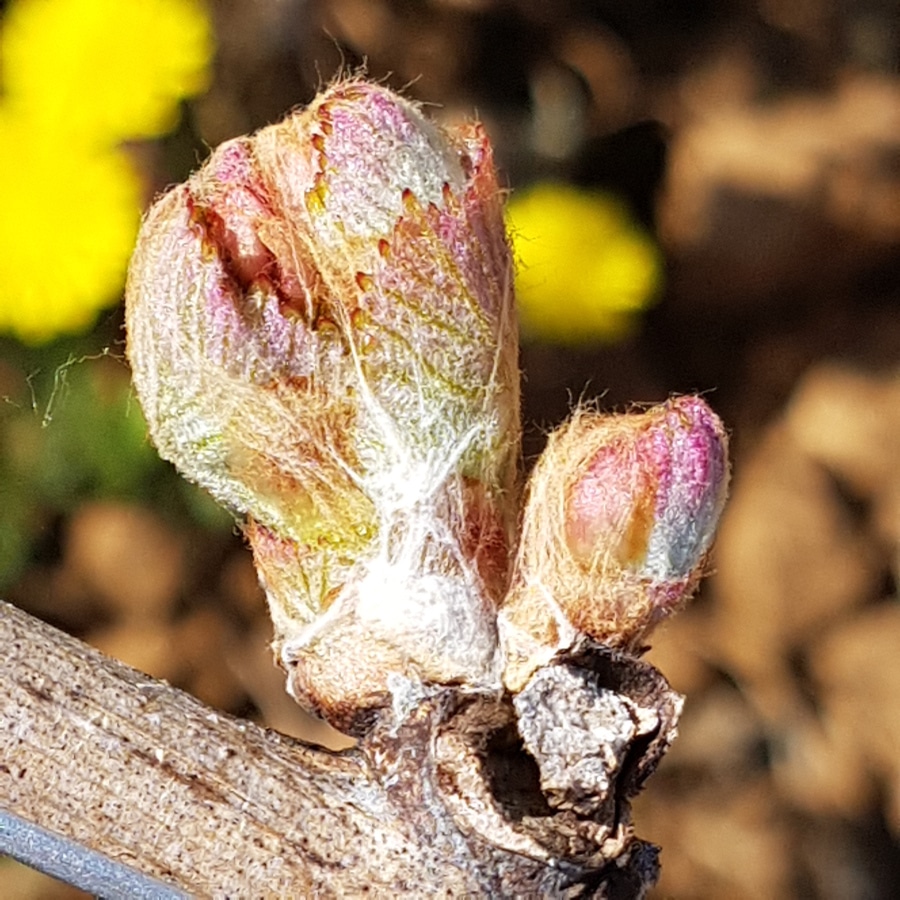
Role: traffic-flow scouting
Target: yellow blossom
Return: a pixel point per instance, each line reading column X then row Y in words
column 586, row 268
column 104, row 70
column 80, row 77
column 67, row 227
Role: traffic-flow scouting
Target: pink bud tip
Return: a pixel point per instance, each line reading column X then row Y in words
column 620, row 515
column 650, row 497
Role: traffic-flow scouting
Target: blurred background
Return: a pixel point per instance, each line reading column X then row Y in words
column 704, row 196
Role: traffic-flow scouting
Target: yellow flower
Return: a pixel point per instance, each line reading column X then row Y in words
column 81, row 76
column 586, row 268
column 67, row 226
column 104, row 70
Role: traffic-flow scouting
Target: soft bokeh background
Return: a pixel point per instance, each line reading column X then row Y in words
column 706, row 197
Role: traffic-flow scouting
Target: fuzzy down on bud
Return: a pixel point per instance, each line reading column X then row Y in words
column 620, row 513
column 322, row 333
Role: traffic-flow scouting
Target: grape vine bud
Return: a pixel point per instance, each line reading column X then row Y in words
column 322, row 334
column 620, row 514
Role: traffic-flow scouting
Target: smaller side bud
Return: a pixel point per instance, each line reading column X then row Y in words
column 620, row 516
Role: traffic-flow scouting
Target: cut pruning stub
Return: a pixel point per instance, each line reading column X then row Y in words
column 322, row 332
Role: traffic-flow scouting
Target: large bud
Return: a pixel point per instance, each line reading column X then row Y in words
column 322, row 334
column 620, row 514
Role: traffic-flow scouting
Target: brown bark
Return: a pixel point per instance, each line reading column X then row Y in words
column 459, row 795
